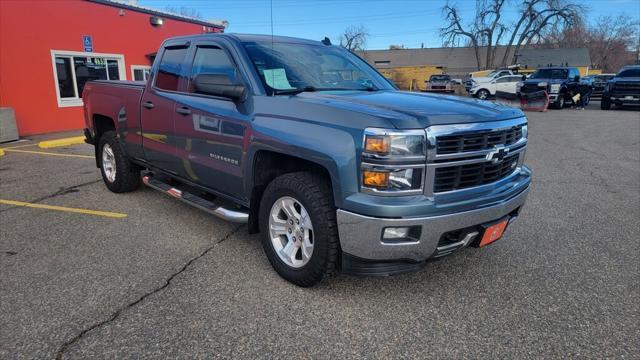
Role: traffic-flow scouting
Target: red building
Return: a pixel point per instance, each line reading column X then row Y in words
column 50, row 49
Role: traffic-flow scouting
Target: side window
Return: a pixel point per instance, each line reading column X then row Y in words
column 212, row 60
column 170, row 68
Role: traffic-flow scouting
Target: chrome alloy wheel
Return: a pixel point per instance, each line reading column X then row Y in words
column 108, row 163
column 291, row 231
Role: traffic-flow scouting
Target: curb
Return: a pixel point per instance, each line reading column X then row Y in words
column 61, row 142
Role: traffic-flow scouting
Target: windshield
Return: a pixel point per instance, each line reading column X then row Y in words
column 308, row 67
column 439, row 78
column 550, row 74
column 493, row 73
column 629, row 73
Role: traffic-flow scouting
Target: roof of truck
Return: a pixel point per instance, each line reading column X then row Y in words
column 252, row 38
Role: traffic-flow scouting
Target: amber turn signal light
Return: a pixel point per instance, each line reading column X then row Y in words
column 375, row 179
column 377, row 144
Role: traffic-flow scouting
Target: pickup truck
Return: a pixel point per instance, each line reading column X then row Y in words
column 560, row 83
column 622, row 89
column 440, row 83
column 310, row 146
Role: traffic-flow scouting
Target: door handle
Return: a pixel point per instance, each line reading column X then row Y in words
column 183, row 111
column 148, row 104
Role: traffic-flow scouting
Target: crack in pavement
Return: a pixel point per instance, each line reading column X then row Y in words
column 61, row 191
column 118, row 312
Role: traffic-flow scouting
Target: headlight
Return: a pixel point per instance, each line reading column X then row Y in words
column 393, row 161
column 388, row 143
column 525, row 131
column 390, row 179
column 555, row 88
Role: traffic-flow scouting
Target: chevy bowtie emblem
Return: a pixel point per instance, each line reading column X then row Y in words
column 498, row 153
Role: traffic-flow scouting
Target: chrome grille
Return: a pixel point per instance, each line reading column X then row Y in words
column 464, row 176
column 467, row 156
column 475, row 141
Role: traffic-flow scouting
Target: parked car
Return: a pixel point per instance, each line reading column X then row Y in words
column 506, row 84
column 440, row 83
column 599, row 82
column 312, row 147
column 623, row 89
column 472, row 81
column 560, row 83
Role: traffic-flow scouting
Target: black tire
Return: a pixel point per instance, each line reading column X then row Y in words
column 127, row 174
column 559, row 104
column 605, row 104
column 483, row 94
column 312, row 191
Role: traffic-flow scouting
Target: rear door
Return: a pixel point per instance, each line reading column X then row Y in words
column 158, row 108
column 212, row 132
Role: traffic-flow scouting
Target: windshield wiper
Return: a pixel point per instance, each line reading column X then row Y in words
column 295, row 91
column 313, row 89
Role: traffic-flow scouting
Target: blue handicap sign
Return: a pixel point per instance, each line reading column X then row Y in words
column 88, row 43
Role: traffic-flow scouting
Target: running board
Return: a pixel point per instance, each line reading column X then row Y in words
column 196, row 201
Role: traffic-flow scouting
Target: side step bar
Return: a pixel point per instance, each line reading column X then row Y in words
column 196, row 201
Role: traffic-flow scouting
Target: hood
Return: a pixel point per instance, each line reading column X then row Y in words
column 548, row 81
column 410, row 110
column 626, row 79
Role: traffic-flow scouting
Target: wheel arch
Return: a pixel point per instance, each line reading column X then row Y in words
column 266, row 165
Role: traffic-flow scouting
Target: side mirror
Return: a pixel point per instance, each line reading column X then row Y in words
column 218, row 85
column 524, row 77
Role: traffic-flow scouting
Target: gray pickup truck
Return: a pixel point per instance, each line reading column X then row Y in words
column 309, row 145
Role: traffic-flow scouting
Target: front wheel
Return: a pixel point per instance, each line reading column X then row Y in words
column 483, row 94
column 299, row 231
column 118, row 173
column 605, row 104
column 560, row 102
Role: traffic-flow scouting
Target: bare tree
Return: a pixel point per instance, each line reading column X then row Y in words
column 611, row 40
column 354, row 38
column 184, row 11
column 488, row 27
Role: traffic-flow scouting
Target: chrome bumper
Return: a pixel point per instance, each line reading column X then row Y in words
column 361, row 236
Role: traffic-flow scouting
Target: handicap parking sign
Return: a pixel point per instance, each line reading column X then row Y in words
column 88, row 43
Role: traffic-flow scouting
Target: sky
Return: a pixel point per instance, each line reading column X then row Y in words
column 412, row 23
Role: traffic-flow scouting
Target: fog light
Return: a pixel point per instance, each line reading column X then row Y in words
column 401, row 234
column 395, row 232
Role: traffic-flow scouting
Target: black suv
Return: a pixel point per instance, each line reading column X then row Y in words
column 561, row 83
column 623, row 89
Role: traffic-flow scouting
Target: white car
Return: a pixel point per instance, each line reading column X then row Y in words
column 506, row 84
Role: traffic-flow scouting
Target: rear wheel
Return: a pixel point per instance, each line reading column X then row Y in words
column 119, row 174
column 299, row 231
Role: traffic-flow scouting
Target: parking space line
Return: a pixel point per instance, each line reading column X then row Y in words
column 18, row 146
column 63, row 208
column 49, row 153
column 76, row 140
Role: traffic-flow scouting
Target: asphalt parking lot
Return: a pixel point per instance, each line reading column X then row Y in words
column 168, row 280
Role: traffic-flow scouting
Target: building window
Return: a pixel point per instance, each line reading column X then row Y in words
column 140, row 72
column 72, row 70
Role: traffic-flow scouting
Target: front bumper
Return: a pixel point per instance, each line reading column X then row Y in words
column 361, row 236
column 623, row 98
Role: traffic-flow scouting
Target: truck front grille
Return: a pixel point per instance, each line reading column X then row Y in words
column 465, row 156
column 626, row 88
column 470, row 175
column 476, row 141
column 527, row 88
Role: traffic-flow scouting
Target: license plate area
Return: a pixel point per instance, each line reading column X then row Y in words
column 493, row 232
